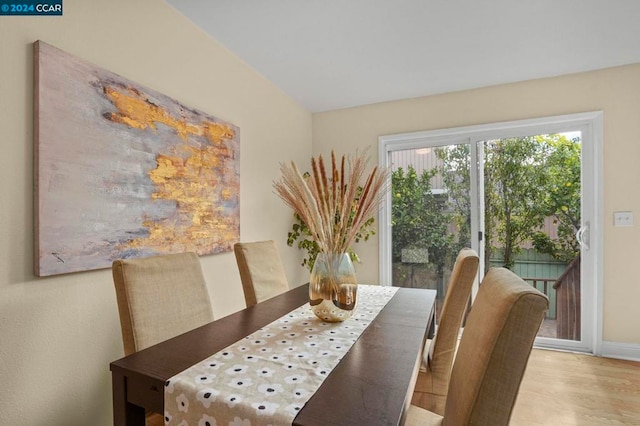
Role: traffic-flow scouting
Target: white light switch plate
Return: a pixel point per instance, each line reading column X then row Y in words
column 622, row 218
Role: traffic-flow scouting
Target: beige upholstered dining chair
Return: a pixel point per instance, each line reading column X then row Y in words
column 433, row 379
column 493, row 354
column 160, row 297
column 261, row 271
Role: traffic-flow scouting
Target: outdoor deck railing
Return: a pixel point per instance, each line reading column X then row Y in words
column 568, row 301
column 564, row 298
column 545, row 285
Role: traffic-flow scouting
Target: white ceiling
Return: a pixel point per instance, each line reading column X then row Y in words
column 330, row 54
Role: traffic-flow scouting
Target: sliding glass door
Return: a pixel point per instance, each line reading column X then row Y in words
column 521, row 194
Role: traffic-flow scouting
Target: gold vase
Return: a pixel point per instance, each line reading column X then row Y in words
column 333, row 287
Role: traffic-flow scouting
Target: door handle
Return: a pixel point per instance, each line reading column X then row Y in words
column 583, row 236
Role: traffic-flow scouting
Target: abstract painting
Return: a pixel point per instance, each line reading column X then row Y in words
column 123, row 171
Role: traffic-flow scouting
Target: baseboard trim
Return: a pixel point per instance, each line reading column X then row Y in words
column 630, row 351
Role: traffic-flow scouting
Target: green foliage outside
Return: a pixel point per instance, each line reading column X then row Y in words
column 418, row 218
column 562, row 199
column 515, row 186
column 525, row 180
column 456, row 176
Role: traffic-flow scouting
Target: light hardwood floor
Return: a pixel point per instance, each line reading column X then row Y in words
column 561, row 388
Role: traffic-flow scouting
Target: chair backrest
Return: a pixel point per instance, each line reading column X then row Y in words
column 160, row 297
column 494, row 350
column 261, row 270
column 442, row 349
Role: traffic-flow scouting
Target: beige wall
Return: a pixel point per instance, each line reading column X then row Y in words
column 58, row 334
column 615, row 91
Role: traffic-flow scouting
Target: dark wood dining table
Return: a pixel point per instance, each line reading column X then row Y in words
column 371, row 385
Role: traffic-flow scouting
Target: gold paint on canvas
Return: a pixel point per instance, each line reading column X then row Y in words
column 136, row 111
column 189, row 177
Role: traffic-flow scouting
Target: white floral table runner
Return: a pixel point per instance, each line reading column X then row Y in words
column 267, row 377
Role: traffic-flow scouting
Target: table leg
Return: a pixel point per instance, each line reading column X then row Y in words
column 124, row 413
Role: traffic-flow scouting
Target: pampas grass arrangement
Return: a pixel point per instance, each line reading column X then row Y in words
column 334, row 203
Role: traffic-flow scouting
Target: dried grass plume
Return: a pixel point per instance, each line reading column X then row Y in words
column 334, row 203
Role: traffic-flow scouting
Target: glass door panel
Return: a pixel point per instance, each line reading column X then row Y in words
column 431, row 215
column 532, row 213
